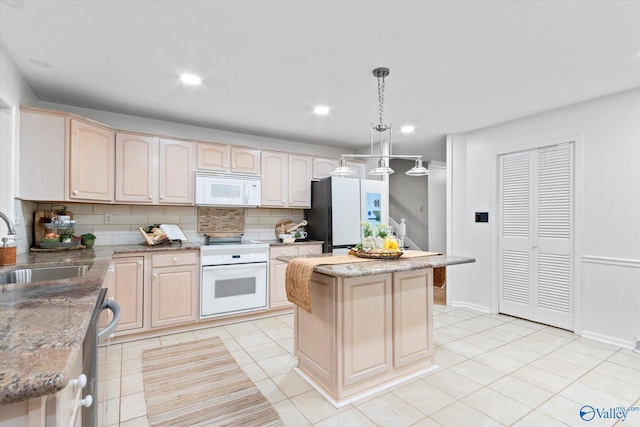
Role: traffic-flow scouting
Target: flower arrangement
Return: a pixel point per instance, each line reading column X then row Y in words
column 373, row 236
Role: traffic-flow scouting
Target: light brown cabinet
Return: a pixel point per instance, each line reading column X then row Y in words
column 286, row 180
column 322, row 168
column 91, row 162
column 225, row 158
column 174, row 288
column 278, row 269
column 365, row 332
column 77, row 155
column 153, row 170
column 127, row 288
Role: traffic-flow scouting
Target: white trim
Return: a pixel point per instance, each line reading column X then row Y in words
column 619, row 262
column 366, row 393
column 472, row 306
column 607, row 339
column 449, row 249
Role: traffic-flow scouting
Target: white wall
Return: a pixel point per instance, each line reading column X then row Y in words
column 608, row 209
column 14, row 92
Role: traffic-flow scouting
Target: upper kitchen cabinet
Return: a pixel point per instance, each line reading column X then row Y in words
column 322, row 168
column 136, row 168
column 177, row 159
column 43, row 136
column 225, row 158
column 153, row 170
column 91, row 162
column 286, row 180
column 213, row 157
column 77, row 155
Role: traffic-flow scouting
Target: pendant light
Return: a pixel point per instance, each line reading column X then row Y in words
column 384, row 139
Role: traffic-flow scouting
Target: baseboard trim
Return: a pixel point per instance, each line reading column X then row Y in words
column 471, row 305
column 608, row 339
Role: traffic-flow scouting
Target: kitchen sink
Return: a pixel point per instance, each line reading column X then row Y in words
column 40, row 274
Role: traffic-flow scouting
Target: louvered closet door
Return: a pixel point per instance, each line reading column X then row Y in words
column 536, row 235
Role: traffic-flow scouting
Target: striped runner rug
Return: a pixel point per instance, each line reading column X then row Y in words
column 200, row 384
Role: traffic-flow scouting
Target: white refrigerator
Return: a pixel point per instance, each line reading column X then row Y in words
column 338, row 205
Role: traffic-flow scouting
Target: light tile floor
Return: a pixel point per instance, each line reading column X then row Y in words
column 493, row 370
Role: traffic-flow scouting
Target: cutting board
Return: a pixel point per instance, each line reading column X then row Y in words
column 282, row 225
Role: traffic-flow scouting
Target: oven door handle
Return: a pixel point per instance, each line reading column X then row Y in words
column 104, row 334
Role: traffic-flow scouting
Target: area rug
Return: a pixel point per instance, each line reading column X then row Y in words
column 200, row 384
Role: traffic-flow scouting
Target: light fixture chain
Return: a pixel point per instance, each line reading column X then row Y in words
column 381, row 96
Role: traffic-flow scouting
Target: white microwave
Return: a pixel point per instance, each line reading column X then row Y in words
column 227, row 190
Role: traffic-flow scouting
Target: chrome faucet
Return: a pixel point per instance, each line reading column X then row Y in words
column 10, row 226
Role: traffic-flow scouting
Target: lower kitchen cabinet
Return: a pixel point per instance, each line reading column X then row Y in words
column 278, row 269
column 127, row 288
column 174, row 288
column 63, row 408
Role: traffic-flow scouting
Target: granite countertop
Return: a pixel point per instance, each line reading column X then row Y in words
column 297, row 242
column 43, row 324
column 372, row 267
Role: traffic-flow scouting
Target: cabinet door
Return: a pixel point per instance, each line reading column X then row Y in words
column 299, row 181
column 277, row 273
column 213, row 157
column 412, row 313
column 174, row 295
column 367, row 327
column 245, row 160
column 43, row 137
column 176, row 172
column 136, row 168
column 322, row 167
column 127, row 290
column 274, row 179
column 91, row 162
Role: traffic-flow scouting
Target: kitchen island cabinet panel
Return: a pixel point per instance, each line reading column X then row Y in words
column 91, row 162
column 366, row 316
column 412, row 308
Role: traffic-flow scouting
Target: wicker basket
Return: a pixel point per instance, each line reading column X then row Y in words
column 377, row 254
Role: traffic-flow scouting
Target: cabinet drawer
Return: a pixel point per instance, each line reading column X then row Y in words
column 309, row 249
column 170, row 259
column 283, row 251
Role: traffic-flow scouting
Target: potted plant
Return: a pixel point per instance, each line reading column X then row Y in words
column 66, row 235
column 87, row 240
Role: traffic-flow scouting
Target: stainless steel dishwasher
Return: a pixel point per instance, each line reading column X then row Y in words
column 93, row 412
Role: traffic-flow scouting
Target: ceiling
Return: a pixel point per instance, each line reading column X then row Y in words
column 455, row 65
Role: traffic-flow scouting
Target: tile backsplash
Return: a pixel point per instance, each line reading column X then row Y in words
column 259, row 223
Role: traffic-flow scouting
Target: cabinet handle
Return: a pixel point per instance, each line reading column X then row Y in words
column 233, row 166
column 150, row 197
column 283, row 202
column 75, row 192
column 86, row 402
column 80, row 382
column 155, row 274
column 224, row 165
column 140, row 262
column 175, row 259
column 161, row 197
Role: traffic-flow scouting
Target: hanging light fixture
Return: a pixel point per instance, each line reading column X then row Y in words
column 385, row 142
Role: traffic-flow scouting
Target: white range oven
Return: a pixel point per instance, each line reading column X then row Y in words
column 233, row 279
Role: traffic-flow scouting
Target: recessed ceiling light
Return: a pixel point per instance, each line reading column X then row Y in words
column 190, row 79
column 407, row 129
column 321, row 110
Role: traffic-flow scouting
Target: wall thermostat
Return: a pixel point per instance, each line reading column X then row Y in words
column 482, row 216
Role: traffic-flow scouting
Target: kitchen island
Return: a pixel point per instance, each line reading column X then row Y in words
column 370, row 324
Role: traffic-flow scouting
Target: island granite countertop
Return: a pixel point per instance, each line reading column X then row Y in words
column 372, row 267
column 43, row 324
